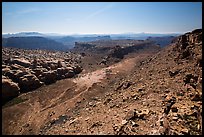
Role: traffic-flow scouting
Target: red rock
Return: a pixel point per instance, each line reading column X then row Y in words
column 10, row 90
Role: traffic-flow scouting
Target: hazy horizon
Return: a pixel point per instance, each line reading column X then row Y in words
column 125, row 33
column 80, row 18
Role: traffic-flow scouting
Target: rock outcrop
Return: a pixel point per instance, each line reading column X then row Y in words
column 22, row 62
column 31, row 69
column 189, row 46
column 29, row 82
column 10, row 89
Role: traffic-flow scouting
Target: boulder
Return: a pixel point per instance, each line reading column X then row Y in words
column 4, row 77
column 67, row 59
column 11, row 74
column 69, row 69
column 63, row 64
column 4, row 66
column 53, row 66
column 5, row 70
column 48, row 77
column 34, row 63
column 69, row 74
column 44, row 64
column 29, row 82
column 10, row 90
column 77, row 69
column 22, row 62
column 16, row 66
column 37, row 71
column 60, row 71
column 18, row 74
column 130, row 115
column 59, row 64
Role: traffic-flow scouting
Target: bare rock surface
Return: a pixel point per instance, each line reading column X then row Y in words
column 10, row 89
column 31, row 69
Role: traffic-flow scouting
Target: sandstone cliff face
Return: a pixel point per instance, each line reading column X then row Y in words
column 189, row 46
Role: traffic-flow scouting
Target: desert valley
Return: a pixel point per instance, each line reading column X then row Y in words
column 120, row 87
column 101, row 68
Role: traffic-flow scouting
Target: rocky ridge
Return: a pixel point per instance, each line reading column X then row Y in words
column 163, row 96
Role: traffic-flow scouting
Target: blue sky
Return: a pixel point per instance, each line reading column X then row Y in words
column 101, row 17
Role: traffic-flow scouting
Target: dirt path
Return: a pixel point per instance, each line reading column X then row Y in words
column 97, row 76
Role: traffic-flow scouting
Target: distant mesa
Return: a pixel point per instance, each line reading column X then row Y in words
column 50, row 41
column 32, row 43
column 162, row 41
